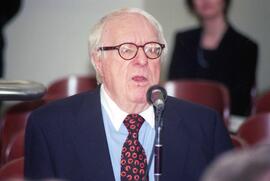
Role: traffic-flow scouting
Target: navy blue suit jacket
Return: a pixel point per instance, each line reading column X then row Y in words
column 66, row 139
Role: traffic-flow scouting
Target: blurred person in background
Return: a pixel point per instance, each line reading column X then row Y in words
column 250, row 164
column 216, row 51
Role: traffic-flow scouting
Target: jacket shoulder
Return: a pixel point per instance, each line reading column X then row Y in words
column 243, row 39
column 66, row 108
column 184, row 104
column 190, row 111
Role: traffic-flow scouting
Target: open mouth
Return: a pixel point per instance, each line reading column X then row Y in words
column 139, row 79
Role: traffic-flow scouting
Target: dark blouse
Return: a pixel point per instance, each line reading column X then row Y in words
column 232, row 63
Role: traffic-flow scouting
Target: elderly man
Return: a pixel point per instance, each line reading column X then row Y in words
column 108, row 134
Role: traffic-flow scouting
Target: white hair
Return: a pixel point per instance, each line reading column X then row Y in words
column 95, row 36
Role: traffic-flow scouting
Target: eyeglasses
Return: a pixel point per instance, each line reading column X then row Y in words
column 128, row 51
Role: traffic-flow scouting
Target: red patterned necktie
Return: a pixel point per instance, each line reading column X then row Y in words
column 133, row 158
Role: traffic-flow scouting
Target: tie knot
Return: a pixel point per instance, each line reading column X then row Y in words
column 133, row 122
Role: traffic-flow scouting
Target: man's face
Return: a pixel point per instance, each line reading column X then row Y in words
column 127, row 81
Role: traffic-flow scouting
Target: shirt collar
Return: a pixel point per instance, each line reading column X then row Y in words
column 117, row 115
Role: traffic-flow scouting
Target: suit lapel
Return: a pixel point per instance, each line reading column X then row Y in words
column 175, row 144
column 90, row 140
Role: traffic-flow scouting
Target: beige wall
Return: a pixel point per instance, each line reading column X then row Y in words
column 48, row 39
column 249, row 16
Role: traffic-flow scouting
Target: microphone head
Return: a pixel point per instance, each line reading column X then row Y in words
column 156, row 95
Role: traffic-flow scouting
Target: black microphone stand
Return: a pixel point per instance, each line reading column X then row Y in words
column 157, row 95
column 158, row 145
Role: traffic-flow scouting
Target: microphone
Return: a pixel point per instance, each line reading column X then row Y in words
column 157, row 96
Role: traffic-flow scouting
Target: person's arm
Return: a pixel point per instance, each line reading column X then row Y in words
column 245, row 79
column 38, row 164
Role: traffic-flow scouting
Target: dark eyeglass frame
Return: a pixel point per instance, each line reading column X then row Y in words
column 117, row 47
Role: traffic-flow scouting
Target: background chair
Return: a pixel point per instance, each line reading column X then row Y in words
column 12, row 170
column 15, row 149
column 69, row 86
column 15, row 119
column 208, row 93
column 256, row 129
column 238, row 142
column 262, row 104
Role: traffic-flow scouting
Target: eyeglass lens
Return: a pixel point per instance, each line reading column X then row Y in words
column 128, row 50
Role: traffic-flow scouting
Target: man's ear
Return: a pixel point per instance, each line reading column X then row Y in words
column 96, row 58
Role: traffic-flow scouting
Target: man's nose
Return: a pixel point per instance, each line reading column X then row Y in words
column 141, row 58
